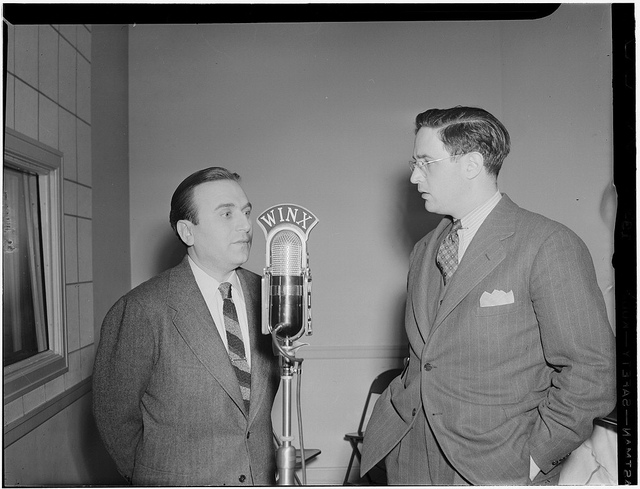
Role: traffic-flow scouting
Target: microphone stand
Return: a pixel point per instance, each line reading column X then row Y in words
column 286, row 453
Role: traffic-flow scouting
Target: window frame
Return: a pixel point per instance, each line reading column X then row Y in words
column 25, row 153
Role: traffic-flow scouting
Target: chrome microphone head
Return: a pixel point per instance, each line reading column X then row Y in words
column 286, row 254
column 286, row 290
column 286, row 283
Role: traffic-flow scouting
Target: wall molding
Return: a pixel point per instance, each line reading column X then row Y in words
column 352, row 352
column 34, row 418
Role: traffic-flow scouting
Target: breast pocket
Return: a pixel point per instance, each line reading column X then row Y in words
column 498, row 310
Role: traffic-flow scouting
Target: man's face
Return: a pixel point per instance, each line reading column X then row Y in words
column 221, row 240
column 441, row 183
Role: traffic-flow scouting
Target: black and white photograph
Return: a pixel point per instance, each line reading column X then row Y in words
column 319, row 244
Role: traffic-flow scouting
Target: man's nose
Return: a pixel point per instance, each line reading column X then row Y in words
column 417, row 176
column 244, row 223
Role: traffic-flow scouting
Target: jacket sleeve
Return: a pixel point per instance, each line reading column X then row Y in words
column 385, row 428
column 578, row 344
column 122, row 368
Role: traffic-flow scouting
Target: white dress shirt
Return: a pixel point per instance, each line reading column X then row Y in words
column 209, row 288
column 472, row 222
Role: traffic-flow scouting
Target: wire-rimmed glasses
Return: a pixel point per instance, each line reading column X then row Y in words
column 413, row 164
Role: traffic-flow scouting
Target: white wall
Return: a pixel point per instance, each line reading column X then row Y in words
column 557, row 85
column 110, row 105
column 321, row 115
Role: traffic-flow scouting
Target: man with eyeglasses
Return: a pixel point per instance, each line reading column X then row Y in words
column 511, row 355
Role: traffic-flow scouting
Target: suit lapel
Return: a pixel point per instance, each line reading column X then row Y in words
column 483, row 255
column 193, row 321
column 424, row 280
column 259, row 363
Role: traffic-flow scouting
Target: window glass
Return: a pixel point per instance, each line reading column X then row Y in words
column 24, row 318
column 34, row 334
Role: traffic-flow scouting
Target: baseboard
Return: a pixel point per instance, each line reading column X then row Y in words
column 325, row 476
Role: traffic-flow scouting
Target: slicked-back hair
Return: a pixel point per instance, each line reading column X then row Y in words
column 182, row 206
column 467, row 129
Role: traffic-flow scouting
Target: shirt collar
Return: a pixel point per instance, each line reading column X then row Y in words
column 205, row 280
column 476, row 217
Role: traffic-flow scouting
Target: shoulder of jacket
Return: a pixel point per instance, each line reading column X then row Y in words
column 540, row 228
column 150, row 291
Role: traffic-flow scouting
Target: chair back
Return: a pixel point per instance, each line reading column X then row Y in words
column 379, row 384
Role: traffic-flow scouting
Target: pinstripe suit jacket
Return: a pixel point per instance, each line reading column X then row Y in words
column 166, row 400
column 499, row 384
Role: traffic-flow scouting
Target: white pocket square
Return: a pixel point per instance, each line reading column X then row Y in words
column 496, row 298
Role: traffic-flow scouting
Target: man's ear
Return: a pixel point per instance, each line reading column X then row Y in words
column 474, row 164
column 184, row 229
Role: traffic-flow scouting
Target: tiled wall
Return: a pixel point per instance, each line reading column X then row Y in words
column 48, row 98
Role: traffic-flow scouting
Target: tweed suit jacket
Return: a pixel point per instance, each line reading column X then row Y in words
column 167, row 402
column 501, row 383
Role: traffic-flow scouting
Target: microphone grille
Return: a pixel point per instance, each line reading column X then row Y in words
column 286, row 254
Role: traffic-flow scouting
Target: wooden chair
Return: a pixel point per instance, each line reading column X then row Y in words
column 377, row 387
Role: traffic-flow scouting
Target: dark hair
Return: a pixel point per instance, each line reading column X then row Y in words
column 182, row 206
column 466, row 129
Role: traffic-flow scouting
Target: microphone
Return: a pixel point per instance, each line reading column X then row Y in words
column 286, row 283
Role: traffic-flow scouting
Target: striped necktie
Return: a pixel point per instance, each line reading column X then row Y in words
column 447, row 258
column 236, row 345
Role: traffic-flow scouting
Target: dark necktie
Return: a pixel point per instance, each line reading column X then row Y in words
column 447, row 259
column 236, row 345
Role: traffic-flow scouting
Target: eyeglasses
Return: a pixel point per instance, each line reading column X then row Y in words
column 413, row 164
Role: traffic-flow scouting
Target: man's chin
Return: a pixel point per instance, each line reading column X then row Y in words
column 432, row 206
column 241, row 258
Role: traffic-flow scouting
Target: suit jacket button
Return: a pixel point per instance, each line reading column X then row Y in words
column 428, row 367
column 414, row 412
column 242, row 478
